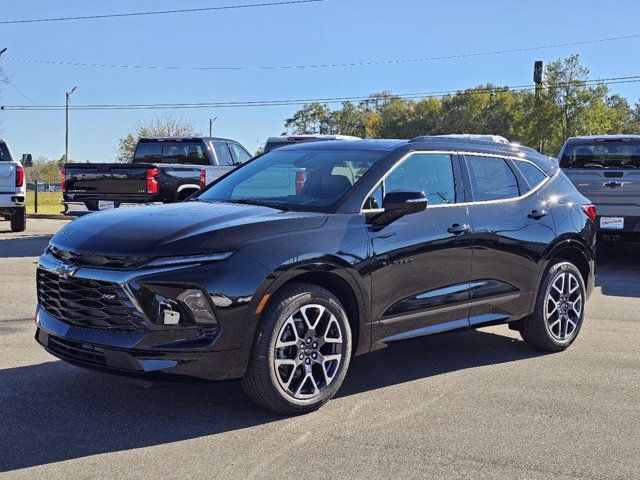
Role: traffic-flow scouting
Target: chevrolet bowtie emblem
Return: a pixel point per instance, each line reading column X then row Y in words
column 66, row 271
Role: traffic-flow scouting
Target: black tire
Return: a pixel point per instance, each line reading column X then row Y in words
column 91, row 205
column 19, row 220
column 261, row 382
column 535, row 329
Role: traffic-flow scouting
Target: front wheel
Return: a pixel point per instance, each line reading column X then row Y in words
column 559, row 312
column 301, row 351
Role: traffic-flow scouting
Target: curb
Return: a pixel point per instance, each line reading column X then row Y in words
column 48, row 216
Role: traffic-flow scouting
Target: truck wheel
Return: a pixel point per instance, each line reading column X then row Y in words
column 301, row 351
column 559, row 311
column 19, row 220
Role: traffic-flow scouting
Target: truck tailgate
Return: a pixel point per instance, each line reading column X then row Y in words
column 106, row 178
column 613, row 191
column 7, row 177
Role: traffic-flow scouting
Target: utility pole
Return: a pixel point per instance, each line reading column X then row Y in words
column 538, row 79
column 211, row 122
column 66, row 136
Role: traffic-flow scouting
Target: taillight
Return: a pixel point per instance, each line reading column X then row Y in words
column 203, row 178
column 63, row 180
column 301, row 178
column 19, row 176
column 590, row 211
column 152, row 182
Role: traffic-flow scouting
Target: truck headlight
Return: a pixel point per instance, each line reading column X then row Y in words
column 198, row 306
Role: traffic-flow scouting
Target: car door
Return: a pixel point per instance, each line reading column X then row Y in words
column 511, row 232
column 421, row 262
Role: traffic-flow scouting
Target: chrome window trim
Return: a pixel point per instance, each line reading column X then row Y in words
column 393, row 167
column 514, row 158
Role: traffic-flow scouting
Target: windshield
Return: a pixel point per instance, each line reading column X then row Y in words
column 618, row 153
column 312, row 180
column 4, row 153
column 192, row 153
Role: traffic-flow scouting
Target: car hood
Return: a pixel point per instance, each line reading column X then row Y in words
column 179, row 229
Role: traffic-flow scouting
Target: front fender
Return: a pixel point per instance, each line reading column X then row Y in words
column 335, row 266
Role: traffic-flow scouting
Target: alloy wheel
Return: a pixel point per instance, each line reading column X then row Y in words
column 563, row 306
column 308, row 352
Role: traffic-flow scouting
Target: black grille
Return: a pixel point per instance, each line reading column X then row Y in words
column 87, row 303
column 77, row 351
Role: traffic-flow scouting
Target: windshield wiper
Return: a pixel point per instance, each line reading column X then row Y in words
column 259, row 203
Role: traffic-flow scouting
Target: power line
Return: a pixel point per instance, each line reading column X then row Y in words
column 325, row 65
column 329, row 100
column 159, row 12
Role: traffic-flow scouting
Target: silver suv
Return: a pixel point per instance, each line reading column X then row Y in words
column 283, row 141
column 606, row 169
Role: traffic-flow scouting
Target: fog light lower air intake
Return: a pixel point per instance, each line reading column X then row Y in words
column 196, row 302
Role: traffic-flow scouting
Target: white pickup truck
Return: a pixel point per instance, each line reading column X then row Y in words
column 13, row 190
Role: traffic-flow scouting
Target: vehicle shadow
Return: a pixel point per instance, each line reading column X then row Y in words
column 53, row 412
column 23, row 246
column 618, row 270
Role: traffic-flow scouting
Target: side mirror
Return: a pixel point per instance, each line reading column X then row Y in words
column 397, row 204
column 27, row 160
column 403, row 202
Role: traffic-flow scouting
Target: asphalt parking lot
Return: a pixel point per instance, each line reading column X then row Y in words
column 469, row 405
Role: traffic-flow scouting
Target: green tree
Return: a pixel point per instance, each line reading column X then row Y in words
column 313, row 118
column 567, row 104
column 44, row 170
column 160, row 126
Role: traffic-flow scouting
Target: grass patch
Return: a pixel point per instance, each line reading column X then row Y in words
column 48, row 202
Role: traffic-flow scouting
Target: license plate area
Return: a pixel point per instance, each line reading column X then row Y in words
column 612, row 223
column 106, row 205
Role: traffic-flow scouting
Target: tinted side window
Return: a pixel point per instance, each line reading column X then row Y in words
column 428, row 173
column 239, row 152
column 223, row 153
column 532, row 174
column 4, row 153
column 491, row 179
column 148, row 152
column 187, row 153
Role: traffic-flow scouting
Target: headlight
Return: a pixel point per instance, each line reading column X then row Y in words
column 170, row 261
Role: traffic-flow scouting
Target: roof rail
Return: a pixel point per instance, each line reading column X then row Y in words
column 420, row 138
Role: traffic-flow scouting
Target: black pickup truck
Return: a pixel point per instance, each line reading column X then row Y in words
column 163, row 170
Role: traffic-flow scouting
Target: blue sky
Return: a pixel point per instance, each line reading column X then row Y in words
column 334, row 31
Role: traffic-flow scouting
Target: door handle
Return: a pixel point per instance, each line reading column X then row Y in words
column 537, row 214
column 458, row 229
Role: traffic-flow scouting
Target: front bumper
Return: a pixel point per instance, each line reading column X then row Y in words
column 208, row 351
column 150, row 355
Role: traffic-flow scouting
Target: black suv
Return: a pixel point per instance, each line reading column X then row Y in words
column 283, row 269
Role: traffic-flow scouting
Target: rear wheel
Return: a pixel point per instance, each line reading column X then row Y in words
column 19, row 220
column 91, row 205
column 559, row 312
column 301, row 351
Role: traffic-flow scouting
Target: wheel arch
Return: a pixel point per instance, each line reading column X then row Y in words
column 575, row 252
column 185, row 191
column 330, row 276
